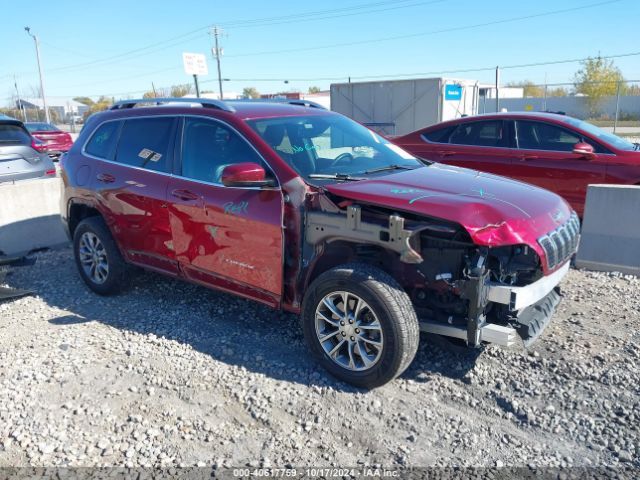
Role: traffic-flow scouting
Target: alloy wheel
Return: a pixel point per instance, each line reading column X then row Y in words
column 349, row 331
column 93, row 258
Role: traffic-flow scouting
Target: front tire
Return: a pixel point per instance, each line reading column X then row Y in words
column 98, row 258
column 360, row 325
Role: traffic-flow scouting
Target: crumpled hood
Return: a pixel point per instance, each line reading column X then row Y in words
column 494, row 210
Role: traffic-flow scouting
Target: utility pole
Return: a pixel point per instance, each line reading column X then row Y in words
column 20, row 105
column 544, row 102
column 44, row 100
column 217, row 52
column 615, row 122
column 195, row 80
column 497, row 89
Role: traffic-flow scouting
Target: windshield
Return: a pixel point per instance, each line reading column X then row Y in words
column 40, row 127
column 610, row 138
column 318, row 146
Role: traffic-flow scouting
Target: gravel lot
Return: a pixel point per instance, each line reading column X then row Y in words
column 173, row 374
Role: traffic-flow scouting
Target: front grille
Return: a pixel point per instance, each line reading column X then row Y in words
column 561, row 243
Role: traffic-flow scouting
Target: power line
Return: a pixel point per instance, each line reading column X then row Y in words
column 422, row 74
column 431, row 32
column 158, row 46
column 298, row 16
column 350, row 14
column 365, row 77
column 145, row 51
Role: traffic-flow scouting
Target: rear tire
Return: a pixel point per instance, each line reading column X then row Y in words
column 98, row 258
column 371, row 341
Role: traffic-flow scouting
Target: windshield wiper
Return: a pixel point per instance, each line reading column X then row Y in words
column 334, row 176
column 390, row 167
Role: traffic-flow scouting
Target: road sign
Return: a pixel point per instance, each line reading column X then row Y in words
column 195, row 64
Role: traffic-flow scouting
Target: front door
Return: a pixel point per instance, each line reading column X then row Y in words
column 546, row 158
column 226, row 237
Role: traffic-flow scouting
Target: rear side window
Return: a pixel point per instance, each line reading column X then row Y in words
column 145, row 143
column 14, row 134
column 103, row 141
column 440, row 135
column 491, row 133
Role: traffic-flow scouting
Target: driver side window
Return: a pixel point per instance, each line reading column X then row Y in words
column 209, row 146
column 544, row 136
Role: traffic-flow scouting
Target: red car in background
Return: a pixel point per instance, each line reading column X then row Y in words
column 554, row 151
column 56, row 141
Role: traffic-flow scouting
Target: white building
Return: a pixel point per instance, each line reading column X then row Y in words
column 63, row 106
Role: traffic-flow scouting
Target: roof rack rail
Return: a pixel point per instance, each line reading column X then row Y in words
column 306, row 103
column 290, row 101
column 205, row 102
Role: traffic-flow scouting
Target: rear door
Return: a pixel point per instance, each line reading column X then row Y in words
column 546, row 158
column 226, row 237
column 131, row 185
column 480, row 145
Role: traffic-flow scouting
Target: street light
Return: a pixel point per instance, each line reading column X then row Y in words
column 44, row 100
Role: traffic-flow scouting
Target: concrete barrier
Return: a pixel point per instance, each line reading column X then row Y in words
column 611, row 229
column 30, row 216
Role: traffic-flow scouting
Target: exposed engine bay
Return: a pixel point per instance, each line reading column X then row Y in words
column 458, row 288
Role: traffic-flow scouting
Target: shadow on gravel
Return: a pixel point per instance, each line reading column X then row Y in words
column 68, row 320
column 231, row 330
column 442, row 356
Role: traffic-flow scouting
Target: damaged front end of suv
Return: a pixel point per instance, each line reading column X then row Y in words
column 492, row 283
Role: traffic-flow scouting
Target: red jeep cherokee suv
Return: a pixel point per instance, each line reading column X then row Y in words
column 305, row 210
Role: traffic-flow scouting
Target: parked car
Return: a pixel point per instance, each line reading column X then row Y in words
column 556, row 152
column 20, row 158
column 305, row 210
column 56, row 141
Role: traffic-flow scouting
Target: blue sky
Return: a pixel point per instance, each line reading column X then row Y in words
column 119, row 47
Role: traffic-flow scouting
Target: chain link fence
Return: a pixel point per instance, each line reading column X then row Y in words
column 611, row 105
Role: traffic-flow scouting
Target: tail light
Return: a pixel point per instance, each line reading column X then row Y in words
column 39, row 145
column 50, row 172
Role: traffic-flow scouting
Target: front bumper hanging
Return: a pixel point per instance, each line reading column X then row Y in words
column 532, row 306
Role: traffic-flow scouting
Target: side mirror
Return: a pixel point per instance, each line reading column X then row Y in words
column 585, row 150
column 247, row 174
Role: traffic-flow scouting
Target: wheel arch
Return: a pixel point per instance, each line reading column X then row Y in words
column 342, row 252
column 78, row 211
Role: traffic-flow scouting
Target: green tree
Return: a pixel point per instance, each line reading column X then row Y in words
column 250, row 92
column 632, row 90
column 84, row 100
column 557, row 92
column 597, row 78
column 314, row 89
column 181, row 90
column 103, row 103
column 530, row 88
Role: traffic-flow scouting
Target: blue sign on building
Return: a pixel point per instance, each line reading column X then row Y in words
column 453, row 92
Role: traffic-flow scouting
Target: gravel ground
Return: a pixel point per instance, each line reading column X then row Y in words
column 170, row 374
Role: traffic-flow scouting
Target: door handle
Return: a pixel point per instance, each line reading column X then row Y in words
column 185, row 195
column 445, row 153
column 527, row 158
column 105, row 178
